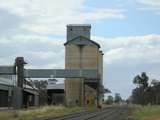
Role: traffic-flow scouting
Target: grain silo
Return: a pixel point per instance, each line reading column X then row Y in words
column 81, row 53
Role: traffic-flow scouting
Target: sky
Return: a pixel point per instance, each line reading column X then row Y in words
column 127, row 30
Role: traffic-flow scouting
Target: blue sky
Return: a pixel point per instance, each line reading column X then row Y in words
column 127, row 30
column 136, row 21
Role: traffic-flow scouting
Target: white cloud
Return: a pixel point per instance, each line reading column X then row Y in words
column 150, row 5
column 51, row 16
column 41, row 51
column 35, row 39
column 132, row 49
column 28, row 28
column 38, row 51
column 104, row 14
column 125, row 57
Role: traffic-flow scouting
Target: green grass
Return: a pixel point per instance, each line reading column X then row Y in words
column 38, row 113
column 146, row 113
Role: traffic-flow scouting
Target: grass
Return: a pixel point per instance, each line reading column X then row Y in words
column 146, row 113
column 38, row 113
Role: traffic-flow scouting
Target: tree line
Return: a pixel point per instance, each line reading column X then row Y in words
column 145, row 92
column 116, row 99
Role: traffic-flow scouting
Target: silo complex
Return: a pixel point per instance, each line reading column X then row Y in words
column 82, row 53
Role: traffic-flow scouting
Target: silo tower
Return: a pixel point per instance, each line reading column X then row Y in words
column 81, row 53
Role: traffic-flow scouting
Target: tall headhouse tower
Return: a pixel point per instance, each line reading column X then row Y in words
column 82, row 53
column 75, row 30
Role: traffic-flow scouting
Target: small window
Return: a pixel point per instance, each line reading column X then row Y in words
column 71, row 29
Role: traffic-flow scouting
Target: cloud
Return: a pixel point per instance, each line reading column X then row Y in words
column 51, row 16
column 133, row 49
column 38, row 51
column 104, row 14
column 29, row 28
column 125, row 57
column 47, row 50
column 150, row 5
column 9, row 23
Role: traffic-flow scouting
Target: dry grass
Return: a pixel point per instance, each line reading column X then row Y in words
column 147, row 113
column 38, row 113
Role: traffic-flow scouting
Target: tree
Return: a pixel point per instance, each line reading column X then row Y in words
column 141, row 80
column 140, row 94
column 155, row 89
column 117, row 98
column 137, row 96
column 155, row 82
column 110, row 100
column 146, row 93
column 41, row 85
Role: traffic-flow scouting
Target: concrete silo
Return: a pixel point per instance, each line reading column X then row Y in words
column 81, row 53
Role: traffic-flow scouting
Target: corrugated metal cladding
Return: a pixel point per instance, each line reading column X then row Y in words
column 11, row 95
column 55, row 86
column 74, row 30
column 61, row 73
column 7, row 70
column 3, row 98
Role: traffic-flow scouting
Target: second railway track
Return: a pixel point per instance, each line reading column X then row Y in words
column 111, row 113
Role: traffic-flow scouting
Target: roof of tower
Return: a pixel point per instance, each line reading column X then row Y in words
column 79, row 25
column 78, row 40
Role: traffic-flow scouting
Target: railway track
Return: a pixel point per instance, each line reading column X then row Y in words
column 111, row 113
